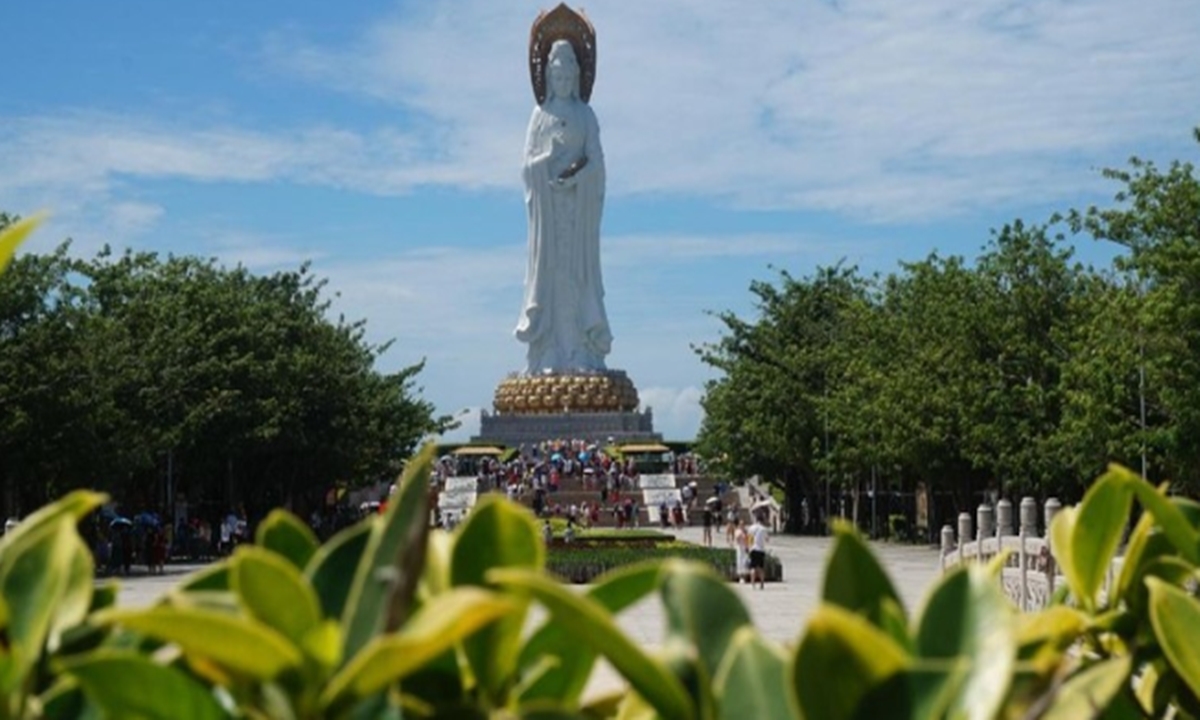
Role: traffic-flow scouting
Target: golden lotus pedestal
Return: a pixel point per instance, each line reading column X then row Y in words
column 592, row 406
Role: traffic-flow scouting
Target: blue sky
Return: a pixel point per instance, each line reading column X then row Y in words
column 382, row 141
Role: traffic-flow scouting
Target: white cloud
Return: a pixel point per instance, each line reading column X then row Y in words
column 677, row 411
column 866, row 107
column 891, row 109
column 130, row 217
column 261, row 253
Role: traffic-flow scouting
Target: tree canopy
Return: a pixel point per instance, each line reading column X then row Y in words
column 121, row 371
column 1017, row 371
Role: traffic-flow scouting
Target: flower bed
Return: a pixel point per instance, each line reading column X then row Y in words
column 581, row 562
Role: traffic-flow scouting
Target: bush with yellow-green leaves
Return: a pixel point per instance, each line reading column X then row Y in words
column 389, row 619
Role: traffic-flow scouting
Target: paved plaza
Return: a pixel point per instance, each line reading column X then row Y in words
column 779, row 611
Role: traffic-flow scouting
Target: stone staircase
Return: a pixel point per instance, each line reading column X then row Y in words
column 572, row 491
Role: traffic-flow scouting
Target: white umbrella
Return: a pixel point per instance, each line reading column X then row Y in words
column 712, row 500
column 760, row 505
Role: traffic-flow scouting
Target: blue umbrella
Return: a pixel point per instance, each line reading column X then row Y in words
column 120, row 522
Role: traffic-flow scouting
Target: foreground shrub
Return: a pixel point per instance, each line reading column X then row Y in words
column 389, row 620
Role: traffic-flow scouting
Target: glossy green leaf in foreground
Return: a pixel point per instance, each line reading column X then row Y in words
column 590, row 624
column 855, row 580
column 1099, row 523
column 701, row 609
column 967, row 618
column 272, row 590
column 75, row 601
column 74, row 505
column 570, row 664
column 497, row 534
column 1089, row 690
column 840, row 660
column 1169, row 516
column 331, row 570
column 753, row 679
column 386, row 579
column 12, row 236
column 212, row 578
column 1135, row 551
column 33, row 579
column 127, row 685
column 241, row 644
column 430, row 632
column 927, row 689
column 1175, row 616
column 1062, row 529
column 284, row 533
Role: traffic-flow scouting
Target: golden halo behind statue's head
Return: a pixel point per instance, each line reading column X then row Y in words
column 562, row 23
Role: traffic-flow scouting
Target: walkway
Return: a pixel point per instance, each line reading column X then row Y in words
column 779, row 611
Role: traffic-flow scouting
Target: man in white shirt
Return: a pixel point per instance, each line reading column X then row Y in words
column 759, row 536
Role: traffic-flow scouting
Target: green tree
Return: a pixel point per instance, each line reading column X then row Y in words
column 1156, row 218
column 118, row 370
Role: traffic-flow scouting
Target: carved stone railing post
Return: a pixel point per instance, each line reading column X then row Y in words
column 947, row 544
column 1022, row 557
column 1004, row 518
column 1051, row 509
column 966, row 531
column 1029, row 513
column 986, row 519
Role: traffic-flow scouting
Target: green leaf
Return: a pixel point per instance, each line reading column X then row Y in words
column 967, row 616
column 331, row 570
column 591, row 625
column 841, row 659
column 64, row 700
column 434, row 629
column 1088, row 692
column 573, row 663
column 1062, row 530
column 128, row 685
column 241, row 644
column 284, row 533
column 924, row 690
column 1170, row 517
column 701, row 610
column 387, row 575
column 74, row 505
column 1135, row 551
column 1175, row 617
column 752, row 681
column 33, row 578
column 497, row 534
column 213, row 578
column 12, row 236
column 272, row 590
column 76, row 599
column 856, row 581
column 1099, row 523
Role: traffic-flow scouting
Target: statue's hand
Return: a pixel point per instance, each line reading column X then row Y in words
column 564, row 182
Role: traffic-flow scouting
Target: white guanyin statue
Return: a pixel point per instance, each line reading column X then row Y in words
column 562, row 318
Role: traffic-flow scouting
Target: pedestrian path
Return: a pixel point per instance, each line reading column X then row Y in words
column 780, row 611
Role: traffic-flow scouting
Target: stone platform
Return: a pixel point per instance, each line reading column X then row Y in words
column 591, row 405
column 514, row 429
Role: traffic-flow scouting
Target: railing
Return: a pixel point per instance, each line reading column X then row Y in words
column 1030, row 574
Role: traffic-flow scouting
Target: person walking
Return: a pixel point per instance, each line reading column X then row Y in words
column 759, row 536
column 741, row 546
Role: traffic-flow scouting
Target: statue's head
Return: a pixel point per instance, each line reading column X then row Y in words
column 562, row 70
